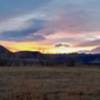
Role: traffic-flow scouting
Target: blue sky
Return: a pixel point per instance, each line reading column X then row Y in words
column 73, row 22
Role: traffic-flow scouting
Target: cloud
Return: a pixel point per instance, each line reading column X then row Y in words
column 70, row 16
column 21, row 22
column 56, row 20
column 11, row 8
column 80, row 16
column 62, row 45
column 26, row 33
column 89, row 43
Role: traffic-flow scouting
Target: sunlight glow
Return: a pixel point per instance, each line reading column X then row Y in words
column 50, row 49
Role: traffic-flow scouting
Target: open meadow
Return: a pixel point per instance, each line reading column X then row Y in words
column 48, row 83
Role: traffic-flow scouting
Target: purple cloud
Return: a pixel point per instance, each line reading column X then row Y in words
column 89, row 43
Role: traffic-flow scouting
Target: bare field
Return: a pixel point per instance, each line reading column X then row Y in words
column 42, row 83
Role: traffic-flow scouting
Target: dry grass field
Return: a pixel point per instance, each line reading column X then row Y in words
column 42, row 83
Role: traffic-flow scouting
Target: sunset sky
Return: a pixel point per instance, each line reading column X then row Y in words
column 50, row 26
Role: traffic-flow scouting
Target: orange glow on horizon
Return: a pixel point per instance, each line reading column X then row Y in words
column 32, row 46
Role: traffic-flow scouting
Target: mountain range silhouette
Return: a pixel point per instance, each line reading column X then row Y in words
column 8, row 58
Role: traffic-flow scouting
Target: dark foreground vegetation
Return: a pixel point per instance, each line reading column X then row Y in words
column 32, row 83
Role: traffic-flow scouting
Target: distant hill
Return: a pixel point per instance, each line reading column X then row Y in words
column 5, row 53
column 7, row 58
column 4, row 50
column 28, row 54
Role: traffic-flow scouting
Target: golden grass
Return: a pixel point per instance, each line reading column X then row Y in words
column 42, row 83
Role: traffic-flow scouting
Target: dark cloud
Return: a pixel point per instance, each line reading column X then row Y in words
column 62, row 45
column 29, row 33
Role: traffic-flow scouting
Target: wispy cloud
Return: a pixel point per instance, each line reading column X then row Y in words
column 89, row 43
